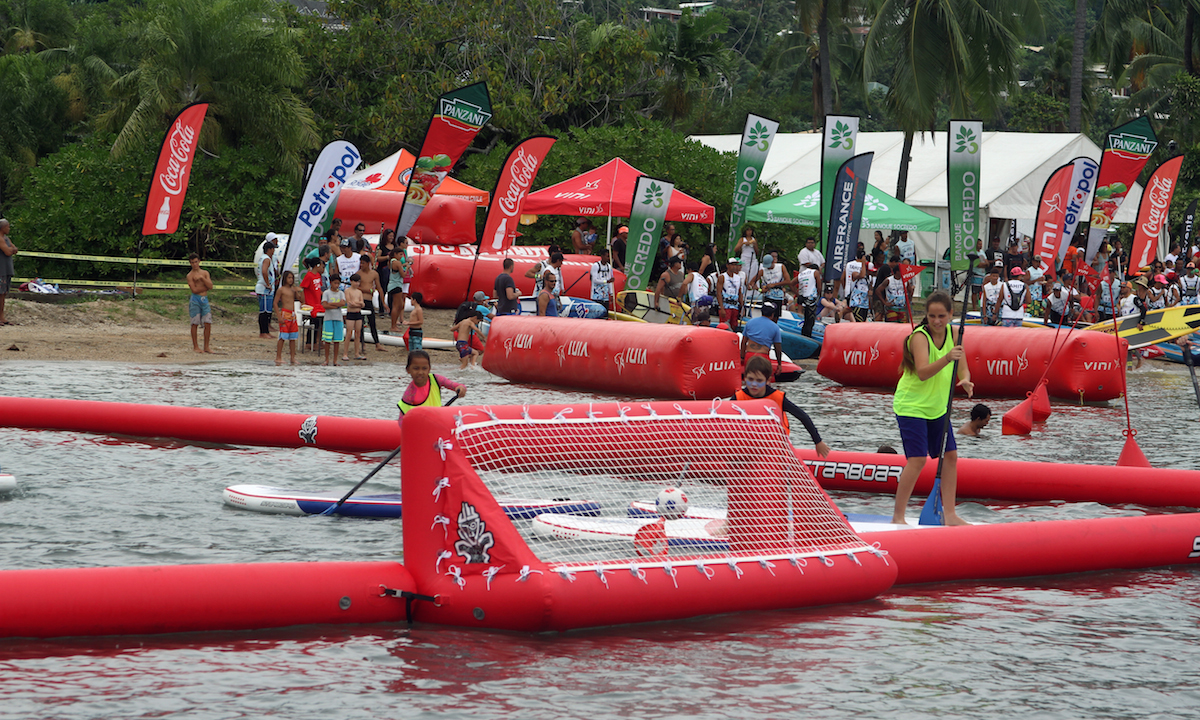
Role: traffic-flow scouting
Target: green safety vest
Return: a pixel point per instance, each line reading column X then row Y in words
column 925, row 398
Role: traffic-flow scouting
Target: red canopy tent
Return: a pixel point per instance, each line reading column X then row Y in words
column 608, row 191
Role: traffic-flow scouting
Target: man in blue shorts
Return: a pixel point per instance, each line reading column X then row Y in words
column 761, row 334
column 199, row 282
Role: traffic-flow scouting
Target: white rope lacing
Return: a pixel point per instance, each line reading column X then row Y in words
column 562, row 414
column 853, row 557
column 443, row 484
column 592, row 414
column 600, row 574
column 490, row 573
column 650, row 409
column 682, row 412
column 567, row 575
column 736, row 570
column 716, row 403
column 771, row 411
column 828, row 561
column 488, row 411
column 525, row 413
column 622, row 409
column 526, row 572
column 455, row 573
column 879, row 552
column 798, row 563
column 444, row 522
column 639, row 573
column 443, row 555
column 442, row 446
column 708, row 572
column 768, row 566
column 741, row 409
column 670, row 570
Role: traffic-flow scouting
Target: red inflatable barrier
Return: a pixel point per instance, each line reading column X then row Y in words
column 448, row 275
column 446, row 220
column 1004, row 362
column 1013, row 480
column 1026, row 549
column 234, row 427
column 626, row 358
column 186, row 598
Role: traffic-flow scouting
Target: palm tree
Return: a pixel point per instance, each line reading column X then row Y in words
column 961, row 53
column 819, row 18
column 237, row 55
column 693, row 60
column 1078, row 38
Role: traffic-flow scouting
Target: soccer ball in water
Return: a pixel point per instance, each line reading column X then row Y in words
column 671, row 504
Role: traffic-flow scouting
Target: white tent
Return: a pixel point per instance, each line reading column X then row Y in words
column 1015, row 167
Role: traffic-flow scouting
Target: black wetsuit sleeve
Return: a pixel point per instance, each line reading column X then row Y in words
column 1142, row 307
column 794, row 410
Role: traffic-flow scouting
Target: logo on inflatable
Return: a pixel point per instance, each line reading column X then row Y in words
column 1009, row 367
column 574, row 348
column 861, row 357
column 308, row 430
column 517, row 342
column 629, row 356
column 475, row 540
column 854, row 471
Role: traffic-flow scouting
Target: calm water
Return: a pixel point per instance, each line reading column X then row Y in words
column 1112, row 645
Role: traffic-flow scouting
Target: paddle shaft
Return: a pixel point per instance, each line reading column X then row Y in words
column 371, row 474
column 1187, row 359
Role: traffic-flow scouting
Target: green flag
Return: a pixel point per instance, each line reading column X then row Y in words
column 838, row 146
column 650, row 200
column 964, row 149
column 757, row 139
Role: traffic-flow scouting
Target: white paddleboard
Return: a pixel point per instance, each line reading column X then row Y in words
column 397, row 341
column 289, row 501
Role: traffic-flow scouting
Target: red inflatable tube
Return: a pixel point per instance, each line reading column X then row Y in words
column 1014, row 480
column 527, row 594
column 234, row 427
column 641, row 359
column 446, row 220
column 187, row 598
column 447, row 275
column 1004, row 362
column 1026, row 549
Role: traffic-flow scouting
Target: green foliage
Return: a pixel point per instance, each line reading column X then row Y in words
column 1033, row 111
column 84, row 200
column 32, row 117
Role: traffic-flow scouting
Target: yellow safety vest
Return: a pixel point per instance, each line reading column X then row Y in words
column 434, row 399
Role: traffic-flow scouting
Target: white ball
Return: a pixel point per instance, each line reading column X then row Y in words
column 671, row 504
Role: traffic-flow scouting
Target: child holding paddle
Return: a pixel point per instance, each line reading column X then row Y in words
column 426, row 387
column 922, row 402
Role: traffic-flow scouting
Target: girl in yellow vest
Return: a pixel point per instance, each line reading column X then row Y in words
column 921, row 403
column 426, row 388
column 755, row 387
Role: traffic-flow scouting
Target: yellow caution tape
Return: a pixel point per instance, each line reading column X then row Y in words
column 111, row 283
column 132, row 261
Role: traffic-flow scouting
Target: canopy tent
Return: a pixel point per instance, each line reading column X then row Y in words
column 391, row 174
column 1015, row 167
column 607, row 191
column 880, row 211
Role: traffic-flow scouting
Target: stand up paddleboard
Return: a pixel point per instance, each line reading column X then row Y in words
column 567, row 307
column 398, row 341
column 287, row 501
column 1160, row 326
column 648, row 509
column 640, row 304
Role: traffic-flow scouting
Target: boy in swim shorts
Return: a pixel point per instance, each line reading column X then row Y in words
column 286, row 298
column 199, row 282
column 334, row 330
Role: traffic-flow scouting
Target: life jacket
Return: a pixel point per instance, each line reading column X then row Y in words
column 434, row 399
column 776, row 397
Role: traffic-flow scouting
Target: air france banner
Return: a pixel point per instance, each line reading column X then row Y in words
column 757, row 138
column 1152, row 213
column 1083, row 184
column 168, row 185
column 516, row 178
column 849, row 195
column 650, row 200
column 964, row 150
column 335, row 163
column 837, row 146
column 1126, row 149
column 456, row 121
column 1051, row 214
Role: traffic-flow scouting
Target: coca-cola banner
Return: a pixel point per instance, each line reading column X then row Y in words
column 1152, row 213
column 169, row 183
column 337, row 161
column 1051, row 215
column 516, row 179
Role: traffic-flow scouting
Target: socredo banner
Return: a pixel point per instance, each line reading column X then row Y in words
column 1051, row 214
column 516, row 178
column 168, row 185
column 849, row 196
column 456, row 121
column 1152, row 213
column 837, row 146
column 337, row 161
column 650, row 200
column 1126, row 149
column 964, row 151
column 757, row 138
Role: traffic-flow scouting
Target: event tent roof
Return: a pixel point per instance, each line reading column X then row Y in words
column 608, row 191
column 392, row 174
column 1015, row 167
column 880, row 211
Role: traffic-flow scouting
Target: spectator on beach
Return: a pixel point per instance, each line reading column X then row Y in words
column 508, row 300
column 761, row 335
column 199, row 282
column 347, row 262
column 264, row 287
column 1013, row 258
column 397, row 290
column 810, row 254
column 7, row 270
column 676, row 248
column 583, row 237
column 858, row 288
column 552, row 265
column 670, row 283
column 708, row 261
column 602, row 279
column 370, row 285
column 1058, row 304
column 1190, row 286
column 994, row 253
column 907, row 249
column 333, row 235
column 355, row 301
column 747, row 249
column 618, row 245
column 992, row 289
column 334, row 328
column 808, row 296
column 731, row 292
column 313, row 287
column 695, row 285
column 981, row 415
column 1014, row 293
column 285, row 305
column 425, row 390
column 547, row 306
column 1157, row 296
column 359, row 242
column 886, row 292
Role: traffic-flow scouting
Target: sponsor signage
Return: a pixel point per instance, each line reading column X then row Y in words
column 837, row 146
column 650, row 200
column 849, row 194
column 1152, row 213
column 1051, row 214
column 168, row 185
column 757, row 138
column 516, row 178
column 1126, row 150
column 336, row 162
column 962, row 178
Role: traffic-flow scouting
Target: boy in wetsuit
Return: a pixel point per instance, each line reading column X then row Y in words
column 755, row 387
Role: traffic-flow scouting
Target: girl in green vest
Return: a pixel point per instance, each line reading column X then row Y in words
column 922, row 400
column 426, row 388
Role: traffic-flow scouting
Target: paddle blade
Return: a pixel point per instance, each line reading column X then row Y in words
column 1131, row 454
column 1019, row 420
column 931, row 513
column 332, row 509
column 1041, row 403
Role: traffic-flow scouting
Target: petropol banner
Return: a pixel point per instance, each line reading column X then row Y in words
column 1126, row 149
column 964, row 151
column 516, row 178
column 849, row 196
column 757, row 138
column 456, row 121
column 841, row 133
column 1083, row 184
column 650, row 200
column 337, row 161
column 1152, row 213
column 168, row 185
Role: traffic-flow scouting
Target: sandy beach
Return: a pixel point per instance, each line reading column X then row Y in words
column 126, row 331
